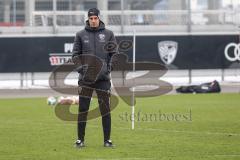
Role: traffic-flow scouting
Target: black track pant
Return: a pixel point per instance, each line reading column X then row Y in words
column 102, row 89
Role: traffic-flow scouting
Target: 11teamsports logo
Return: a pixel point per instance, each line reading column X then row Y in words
column 57, row 59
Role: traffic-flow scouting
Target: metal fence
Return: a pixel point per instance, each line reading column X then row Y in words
column 143, row 21
column 122, row 16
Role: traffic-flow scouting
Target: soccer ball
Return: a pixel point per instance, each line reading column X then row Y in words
column 51, row 100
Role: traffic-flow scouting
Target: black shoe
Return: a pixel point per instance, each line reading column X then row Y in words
column 79, row 144
column 108, row 143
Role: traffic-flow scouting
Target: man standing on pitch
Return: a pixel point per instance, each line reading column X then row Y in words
column 91, row 42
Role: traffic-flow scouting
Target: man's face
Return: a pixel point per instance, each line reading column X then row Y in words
column 93, row 21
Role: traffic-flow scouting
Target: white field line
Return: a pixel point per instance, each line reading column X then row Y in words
column 177, row 131
column 144, row 129
column 189, row 132
column 225, row 155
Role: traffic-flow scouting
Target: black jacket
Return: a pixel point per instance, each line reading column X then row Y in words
column 94, row 42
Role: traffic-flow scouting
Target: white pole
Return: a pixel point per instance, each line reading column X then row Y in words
column 54, row 16
column 14, row 12
column 133, row 88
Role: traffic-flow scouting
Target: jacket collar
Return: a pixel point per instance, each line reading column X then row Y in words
column 101, row 27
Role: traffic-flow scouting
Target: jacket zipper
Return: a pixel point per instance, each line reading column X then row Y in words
column 94, row 43
column 94, row 39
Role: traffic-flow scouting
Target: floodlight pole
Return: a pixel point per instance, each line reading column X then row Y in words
column 189, row 23
column 54, row 16
column 122, row 16
column 133, row 88
column 14, row 12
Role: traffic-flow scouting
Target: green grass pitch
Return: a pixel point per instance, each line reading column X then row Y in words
column 168, row 127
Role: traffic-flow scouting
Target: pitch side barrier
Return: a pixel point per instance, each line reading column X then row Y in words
column 177, row 52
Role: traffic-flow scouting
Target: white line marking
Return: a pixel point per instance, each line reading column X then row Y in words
column 226, row 155
column 178, row 131
column 144, row 129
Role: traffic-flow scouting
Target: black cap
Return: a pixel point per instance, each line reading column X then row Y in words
column 93, row 12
